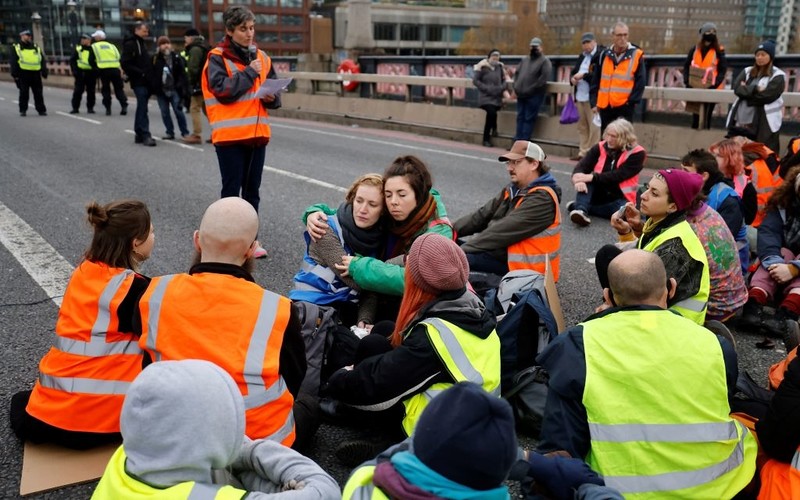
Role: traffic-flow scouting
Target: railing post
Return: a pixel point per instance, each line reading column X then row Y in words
column 449, row 96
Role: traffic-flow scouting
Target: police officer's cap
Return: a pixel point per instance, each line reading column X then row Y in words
column 25, row 32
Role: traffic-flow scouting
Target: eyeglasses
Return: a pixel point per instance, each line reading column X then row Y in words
column 514, row 163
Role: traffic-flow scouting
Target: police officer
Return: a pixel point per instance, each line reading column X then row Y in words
column 105, row 59
column 28, row 67
column 85, row 77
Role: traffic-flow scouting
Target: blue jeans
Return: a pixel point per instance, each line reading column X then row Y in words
column 164, row 103
column 527, row 111
column 141, row 123
column 583, row 201
column 241, row 167
column 486, row 263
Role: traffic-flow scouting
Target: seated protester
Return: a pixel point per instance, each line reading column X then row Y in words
column 78, row 396
column 443, row 335
column 164, row 454
column 677, row 441
column 777, row 278
column 779, row 435
column 250, row 332
column 608, row 176
column 669, row 195
column 463, row 447
column 754, row 181
column 728, row 292
column 721, row 197
column 520, row 226
column 792, row 157
column 355, row 229
column 415, row 209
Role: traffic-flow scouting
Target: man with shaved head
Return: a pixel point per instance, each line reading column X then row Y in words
column 641, row 393
column 218, row 313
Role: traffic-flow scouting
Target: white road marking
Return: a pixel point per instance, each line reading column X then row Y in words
column 176, row 142
column 79, row 118
column 590, row 261
column 303, row 178
column 42, row 262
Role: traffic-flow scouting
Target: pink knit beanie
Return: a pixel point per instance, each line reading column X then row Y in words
column 437, row 264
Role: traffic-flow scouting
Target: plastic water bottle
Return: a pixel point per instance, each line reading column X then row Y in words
column 165, row 75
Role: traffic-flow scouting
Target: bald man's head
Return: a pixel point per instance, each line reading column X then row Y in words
column 637, row 277
column 227, row 231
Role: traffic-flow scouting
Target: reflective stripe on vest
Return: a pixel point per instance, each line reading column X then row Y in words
column 765, row 183
column 533, row 252
column 258, row 395
column 82, row 60
column 466, row 358
column 665, row 443
column 243, row 119
column 616, row 80
column 709, row 61
column 97, row 345
column 628, row 186
column 185, row 56
column 106, row 55
column 360, row 487
column 693, row 308
column 83, row 385
column 29, row 59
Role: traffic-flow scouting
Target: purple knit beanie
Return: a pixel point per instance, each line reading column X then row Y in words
column 436, row 264
column 683, row 186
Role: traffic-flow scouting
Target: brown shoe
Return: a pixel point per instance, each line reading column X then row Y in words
column 191, row 139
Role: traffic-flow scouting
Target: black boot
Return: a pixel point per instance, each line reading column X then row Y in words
column 783, row 325
column 751, row 318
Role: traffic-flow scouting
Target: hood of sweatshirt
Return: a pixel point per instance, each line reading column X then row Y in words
column 462, row 308
column 181, row 420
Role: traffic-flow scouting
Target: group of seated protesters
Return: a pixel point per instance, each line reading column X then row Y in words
column 156, row 363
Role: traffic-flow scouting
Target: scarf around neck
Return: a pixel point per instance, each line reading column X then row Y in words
column 415, row 221
column 366, row 242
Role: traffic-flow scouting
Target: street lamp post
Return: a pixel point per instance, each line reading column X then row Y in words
column 36, row 27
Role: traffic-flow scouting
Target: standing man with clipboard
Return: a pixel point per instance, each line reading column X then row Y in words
column 240, row 131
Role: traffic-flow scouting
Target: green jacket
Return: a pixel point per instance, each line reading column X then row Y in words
column 378, row 276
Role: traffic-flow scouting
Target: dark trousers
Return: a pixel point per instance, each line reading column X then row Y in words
column 709, row 110
column 28, row 428
column 31, row 81
column 527, row 112
column 240, row 167
column 486, row 263
column 172, row 101
column 85, row 81
column 583, row 201
column 109, row 77
column 608, row 115
column 490, row 126
column 141, row 122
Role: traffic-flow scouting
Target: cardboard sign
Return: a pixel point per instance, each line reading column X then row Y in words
column 47, row 466
column 552, row 296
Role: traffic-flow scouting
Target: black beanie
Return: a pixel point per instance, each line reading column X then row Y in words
column 467, row 435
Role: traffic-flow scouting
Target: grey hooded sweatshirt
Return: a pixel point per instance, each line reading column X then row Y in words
column 184, row 421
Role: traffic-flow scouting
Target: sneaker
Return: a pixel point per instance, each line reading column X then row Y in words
column 580, row 218
column 487, row 144
column 124, row 110
column 751, row 316
column 149, row 141
column 570, row 206
column 168, row 137
column 191, row 139
column 259, row 253
column 719, row 328
column 74, row 112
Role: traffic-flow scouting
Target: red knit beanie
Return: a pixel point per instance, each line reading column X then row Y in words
column 436, row 264
column 683, row 186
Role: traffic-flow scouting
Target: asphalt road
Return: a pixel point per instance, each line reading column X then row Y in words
column 50, row 167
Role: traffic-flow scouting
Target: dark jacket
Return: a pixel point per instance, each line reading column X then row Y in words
column 639, row 77
column 292, row 362
column 176, row 67
column 490, row 82
column 606, row 183
column 532, row 76
column 565, row 425
column 197, row 52
column 136, row 61
column 771, row 237
column 498, row 225
column 731, row 209
column 722, row 65
column 381, row 382
column 779, row 431
column 594, row 66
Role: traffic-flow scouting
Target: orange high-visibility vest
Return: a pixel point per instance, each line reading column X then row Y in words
column 616, row 81
column 84, row 376
column 233, row 323
column 765, row 183
column 531, row 252
column 709, row 61
column 778, row 370
column 628, row 186
column 780, row 480
column 244, row 119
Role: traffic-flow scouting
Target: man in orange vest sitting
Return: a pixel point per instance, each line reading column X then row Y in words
column 218, row 313
column 618, row 87
column 521, row 226
column 608, row 176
